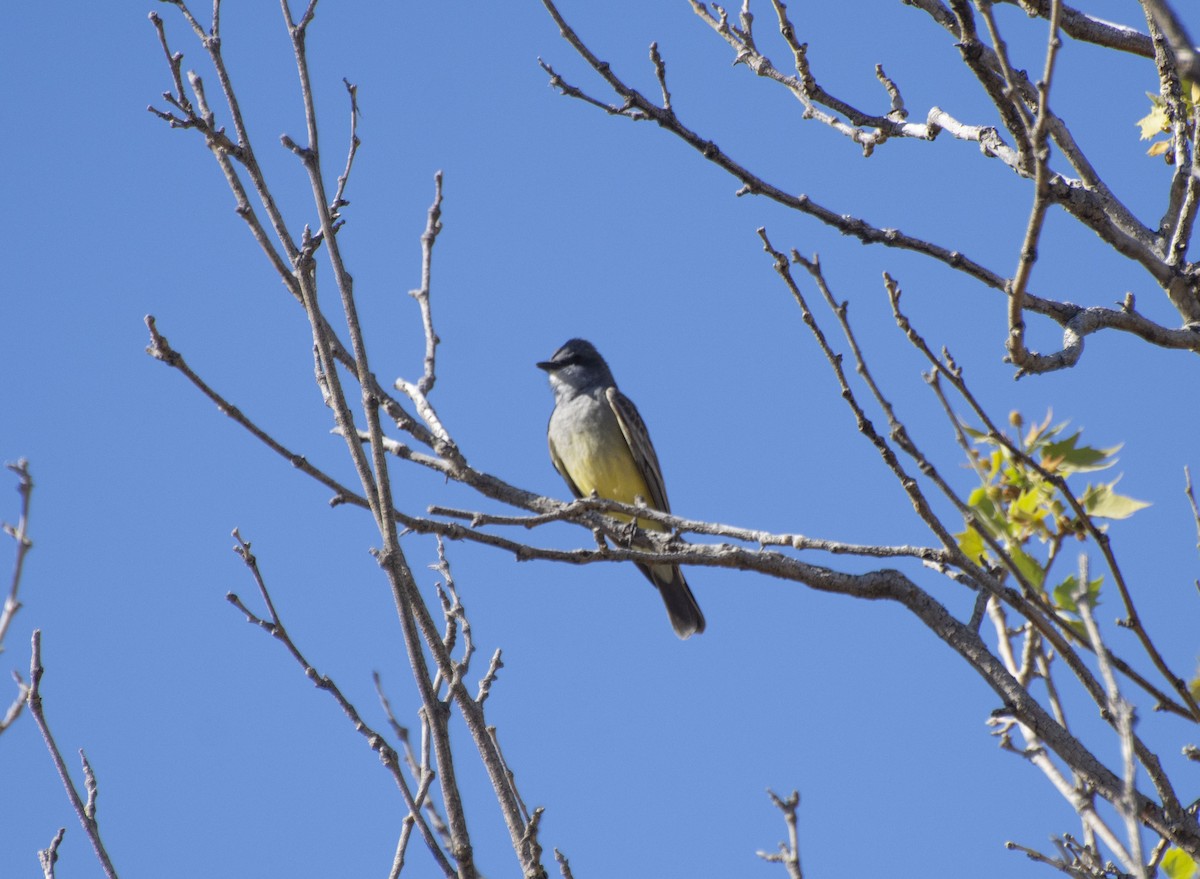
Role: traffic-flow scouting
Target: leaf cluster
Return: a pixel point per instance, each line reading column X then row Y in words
column 1024, row 501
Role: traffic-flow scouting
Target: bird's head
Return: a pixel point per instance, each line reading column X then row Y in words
column 577, row 365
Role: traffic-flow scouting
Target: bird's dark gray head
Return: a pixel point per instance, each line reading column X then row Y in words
column 578, row 365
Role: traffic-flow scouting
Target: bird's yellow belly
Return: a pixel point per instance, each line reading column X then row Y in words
column 606, row 468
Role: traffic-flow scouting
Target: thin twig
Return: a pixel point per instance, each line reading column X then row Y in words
column 86, row 811
column 370, row 463
column 1025, row 360
column 564, row 865
column 20, row 535
column 274, row 626
column 433, row 226
column 1088, row 199
column 48, row 856
column 1122, row 718
column 1187, row 487
column 339, row 196
column 1186, row 706
column 789, row 852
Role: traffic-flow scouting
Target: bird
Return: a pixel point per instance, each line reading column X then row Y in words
column 599, row 443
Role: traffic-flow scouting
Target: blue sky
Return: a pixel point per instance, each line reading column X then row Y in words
column 216, row 756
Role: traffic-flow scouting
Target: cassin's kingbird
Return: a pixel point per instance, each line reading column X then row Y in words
column 598, row 442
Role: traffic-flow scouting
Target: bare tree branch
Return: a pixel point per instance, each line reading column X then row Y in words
column 1024, row 359
column 20, row 535
column 564, row 865
column 1183, row 199
column 380, row 432
column 48, row 856
column 428, row 238
column 789, row 852
column 370, row 461
column 1087, row 199
column 1123, row 719
column 86, row 811
column 274, row 626
column 1187, row 61
column 1086, row 28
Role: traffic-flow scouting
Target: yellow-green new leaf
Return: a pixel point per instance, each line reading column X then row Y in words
column 1178, row 864
column 1028, row 567
column 971, row 543
column 1101, row 501
column 986, row 514
column 1153, row 122
column 1079, row 459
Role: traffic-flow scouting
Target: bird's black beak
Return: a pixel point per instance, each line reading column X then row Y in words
column 548, row 365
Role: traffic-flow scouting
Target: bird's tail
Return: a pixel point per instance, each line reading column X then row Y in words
column 686, row 616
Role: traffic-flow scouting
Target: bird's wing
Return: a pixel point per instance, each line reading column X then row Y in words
column 638, row 439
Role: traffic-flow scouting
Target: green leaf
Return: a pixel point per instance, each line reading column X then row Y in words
column 1027, row 566
column 1101, row 501
column 1066, row 591
column 1178, row 864
column 1081, row 459
column 986, row 514
column 1028, row 502
column 971, row 543
column 995, row 462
